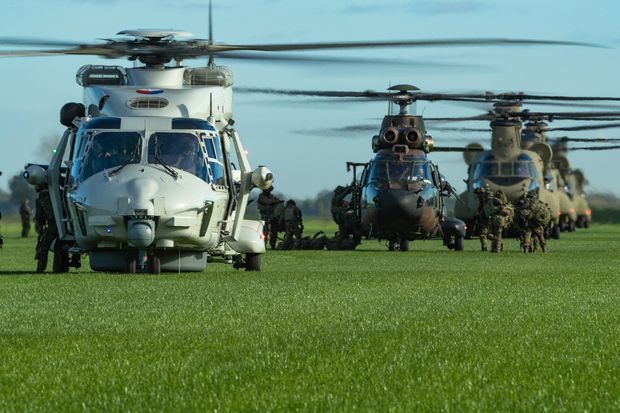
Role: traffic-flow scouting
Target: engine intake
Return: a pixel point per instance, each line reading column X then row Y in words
column 413, row 137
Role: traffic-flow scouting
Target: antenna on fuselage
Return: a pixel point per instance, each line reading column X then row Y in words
column 211, row 58
column 211, row 105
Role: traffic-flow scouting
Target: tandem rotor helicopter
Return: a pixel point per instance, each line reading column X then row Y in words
column 521, row 160
column 144, row 178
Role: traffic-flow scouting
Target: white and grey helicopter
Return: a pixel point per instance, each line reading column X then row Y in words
column 143, row 179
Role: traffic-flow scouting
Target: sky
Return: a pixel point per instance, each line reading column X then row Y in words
column 34, row 89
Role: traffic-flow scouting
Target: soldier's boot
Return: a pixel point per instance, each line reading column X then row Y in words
column 41, row 264
column 272, row 242
column 483, row 243
column 496, row 245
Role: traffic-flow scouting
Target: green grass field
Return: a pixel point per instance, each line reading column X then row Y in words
column 368, row 330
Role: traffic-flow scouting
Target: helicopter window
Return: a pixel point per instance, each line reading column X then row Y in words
column 178, row 150
column 110, row 149
column 215, row 164
column 79, row 148
column 399, row 171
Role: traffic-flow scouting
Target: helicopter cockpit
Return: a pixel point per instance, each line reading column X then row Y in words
column 97, row 147
column 505, row 172
column 395, row 170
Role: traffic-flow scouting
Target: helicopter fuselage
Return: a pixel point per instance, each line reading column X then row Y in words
column 400, row 196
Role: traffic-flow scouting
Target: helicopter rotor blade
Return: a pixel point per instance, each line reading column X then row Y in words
column 403, row 43
column 455, row 149
column 584, row 127
column 17, row 41
column 455, row 129
column 293, row 58
column 567, row 139
column 593, row 148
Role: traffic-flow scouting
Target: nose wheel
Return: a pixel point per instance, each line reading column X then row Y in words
column 143, row 262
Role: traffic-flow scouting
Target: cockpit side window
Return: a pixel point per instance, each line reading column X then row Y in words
column 178, row 150
column 105, row 150
column 214, row 154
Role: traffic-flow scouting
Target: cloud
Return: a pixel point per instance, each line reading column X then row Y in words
column 429, row 7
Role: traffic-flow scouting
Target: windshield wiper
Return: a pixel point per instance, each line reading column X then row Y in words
column 129, row 160
column 158, row 159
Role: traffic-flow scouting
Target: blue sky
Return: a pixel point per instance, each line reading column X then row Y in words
column 34, row 89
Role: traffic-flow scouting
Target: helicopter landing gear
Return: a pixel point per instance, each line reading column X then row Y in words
column 155, row 264
column 458, row 244
column 131, row 265
column 392, row 245
column 252, row 262
column 404, row 244
column 580, row 221
column 454, row 242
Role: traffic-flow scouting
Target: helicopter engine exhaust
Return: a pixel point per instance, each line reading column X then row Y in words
column 390, row 135
column 413, row 137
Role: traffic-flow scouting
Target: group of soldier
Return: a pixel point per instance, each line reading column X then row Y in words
column 529, row 217
column 280, row 216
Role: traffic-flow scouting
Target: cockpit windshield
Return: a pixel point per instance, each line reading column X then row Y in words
column 400, row 171
column 521, row 169
column 109, row 150
column 505, row 173
column 178, row 150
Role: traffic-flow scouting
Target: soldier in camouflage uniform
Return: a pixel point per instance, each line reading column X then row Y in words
column 267, row 203
column 274, row 224
column 293, row 225
column 25, row 213
column 534, row 216
column 45, row 225
column 483, row 221
column 500, row 213
column 340, row 207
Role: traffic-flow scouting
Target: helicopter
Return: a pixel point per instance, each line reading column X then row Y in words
column 517, row 167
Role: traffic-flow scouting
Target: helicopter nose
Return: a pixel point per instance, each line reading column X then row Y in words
column 399, row 203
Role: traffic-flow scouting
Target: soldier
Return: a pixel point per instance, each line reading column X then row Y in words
column 340, row 207
column 274, row 224
column 540, row 218
column 45, row 224
column 521, row 223
column 501, row 213
column 25, row 212
column 482, row 219
column 293, row 225
column 266, row 205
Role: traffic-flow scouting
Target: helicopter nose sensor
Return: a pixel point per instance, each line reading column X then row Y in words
column 140, row 233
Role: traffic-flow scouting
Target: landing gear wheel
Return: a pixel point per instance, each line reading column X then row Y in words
column 580, row 221
column 132, row 265
column 458, row 244
column 392, row 245
column 253, row 262
column 404, row 244
column 155, row 265
column 555, row 232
